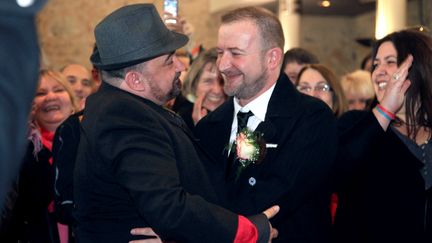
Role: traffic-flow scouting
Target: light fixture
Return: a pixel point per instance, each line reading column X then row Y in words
column 420, row 28
column 325, row 4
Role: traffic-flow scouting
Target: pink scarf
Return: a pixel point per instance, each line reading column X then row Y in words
column 47, row 140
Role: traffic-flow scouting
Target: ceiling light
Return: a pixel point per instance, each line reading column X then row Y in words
column 325, row 4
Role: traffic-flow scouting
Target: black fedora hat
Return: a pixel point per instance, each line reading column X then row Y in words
column 131, row 35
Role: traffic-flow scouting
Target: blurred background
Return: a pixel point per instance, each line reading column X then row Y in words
column 339, row 32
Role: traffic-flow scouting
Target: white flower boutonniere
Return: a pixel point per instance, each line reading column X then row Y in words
column 250, row 148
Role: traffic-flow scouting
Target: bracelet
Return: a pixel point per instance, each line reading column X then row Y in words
column 390, row 118
column 390, row 114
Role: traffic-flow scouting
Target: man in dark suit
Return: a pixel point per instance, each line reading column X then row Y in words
column 290, row 163
column 137, row 163
column 19, row 57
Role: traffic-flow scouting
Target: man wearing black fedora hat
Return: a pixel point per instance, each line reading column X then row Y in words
column 137, row 164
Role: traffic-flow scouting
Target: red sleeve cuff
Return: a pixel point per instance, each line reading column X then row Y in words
column 246, row 231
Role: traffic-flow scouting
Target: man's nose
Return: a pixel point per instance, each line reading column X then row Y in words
column 180, row 67
column 223, row 62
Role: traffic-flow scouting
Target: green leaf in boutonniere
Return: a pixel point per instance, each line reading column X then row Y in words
column 250, row 149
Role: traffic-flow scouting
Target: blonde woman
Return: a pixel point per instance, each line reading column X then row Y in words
column 33, row 218
column 358, row 89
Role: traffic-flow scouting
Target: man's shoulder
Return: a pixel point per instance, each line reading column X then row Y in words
column 314, row 109
column 288, row 101
column 111, row 99
column 313, row 104
column 117, row 109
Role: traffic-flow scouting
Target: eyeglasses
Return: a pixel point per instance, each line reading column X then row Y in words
column 319, row 88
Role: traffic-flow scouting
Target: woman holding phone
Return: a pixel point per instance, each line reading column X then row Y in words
column 384, row 175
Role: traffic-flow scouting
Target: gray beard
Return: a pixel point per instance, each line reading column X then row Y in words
column 247, row 91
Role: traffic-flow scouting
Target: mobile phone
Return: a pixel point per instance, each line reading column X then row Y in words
column 171, row 6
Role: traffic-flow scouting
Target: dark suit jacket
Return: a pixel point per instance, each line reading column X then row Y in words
column 137, row 166
column 382, row 196
column 294, row 175
column 184, row 108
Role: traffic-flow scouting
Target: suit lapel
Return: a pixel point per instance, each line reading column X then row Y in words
column 278, row 123
column 176, row 120
column 280, row 117
column 218, row 128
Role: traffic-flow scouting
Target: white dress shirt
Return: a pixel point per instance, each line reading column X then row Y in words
column 258, row 107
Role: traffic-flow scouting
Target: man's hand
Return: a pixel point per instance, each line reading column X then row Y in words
column 270, row 213
column 147, row 232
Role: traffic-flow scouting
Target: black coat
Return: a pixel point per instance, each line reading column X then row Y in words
column 29, row 219
column 382, row 195
column 64, row 149
column 137, row 166
column 184, row 108
column 295, row 175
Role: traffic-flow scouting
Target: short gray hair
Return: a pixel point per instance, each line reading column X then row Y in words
column 267, row 23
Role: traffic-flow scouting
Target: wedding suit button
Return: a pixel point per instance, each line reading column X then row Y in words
column 252, row 181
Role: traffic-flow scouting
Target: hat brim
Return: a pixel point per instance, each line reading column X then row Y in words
column 178, row 41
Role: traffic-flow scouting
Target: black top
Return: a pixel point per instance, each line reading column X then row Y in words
column 29, row 219
column 65, row 146
column 382, row 196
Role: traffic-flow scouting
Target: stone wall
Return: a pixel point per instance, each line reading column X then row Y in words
column 66, row 27
column 331, row 39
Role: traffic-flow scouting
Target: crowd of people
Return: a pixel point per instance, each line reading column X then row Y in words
column 254, row 145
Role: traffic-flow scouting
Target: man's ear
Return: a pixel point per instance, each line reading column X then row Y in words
column 134, row 81
column 274, row 57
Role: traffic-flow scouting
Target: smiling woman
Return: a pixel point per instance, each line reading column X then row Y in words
column 384, row 176
column 203, row 85
column 53, row 102
column 319, row 81
column 32, row 215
